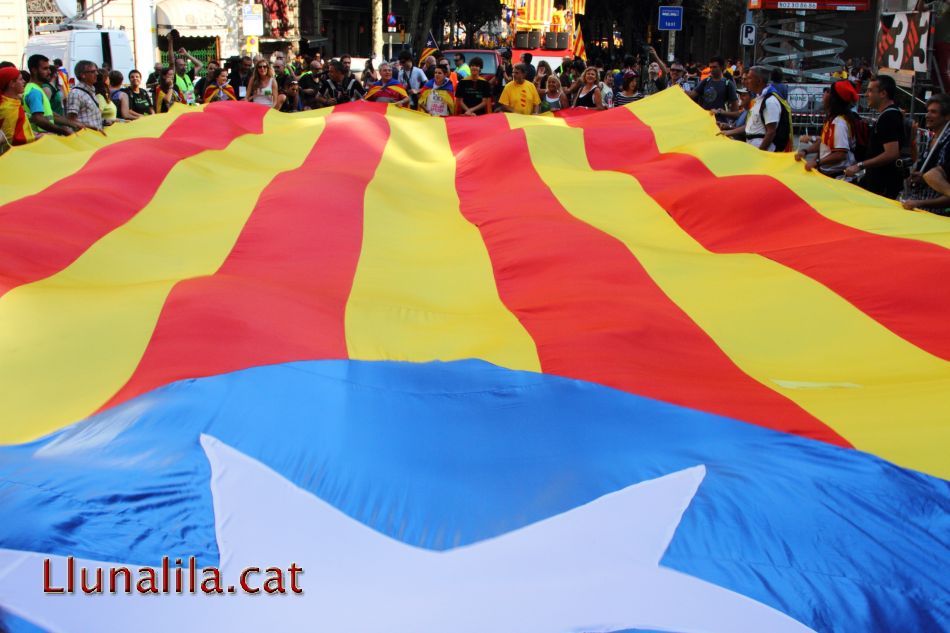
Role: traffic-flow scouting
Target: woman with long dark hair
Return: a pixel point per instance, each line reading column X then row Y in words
column 835, row 146
column 104, row 98
column 629, row 89
column 167, row 93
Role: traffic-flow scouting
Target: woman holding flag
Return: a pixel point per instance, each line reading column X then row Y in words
column 437, row 96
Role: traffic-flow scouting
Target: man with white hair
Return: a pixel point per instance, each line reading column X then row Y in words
column 764, row 113
column 388, row 89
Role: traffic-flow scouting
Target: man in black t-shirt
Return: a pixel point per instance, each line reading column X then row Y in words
column 882, row 175
column 310, row 81
column 473, row 94
column 526, row 60
column 337, row 87
column 503, row 74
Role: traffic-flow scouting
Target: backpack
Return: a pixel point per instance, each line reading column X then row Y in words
column 861, row 133
column 784, row 141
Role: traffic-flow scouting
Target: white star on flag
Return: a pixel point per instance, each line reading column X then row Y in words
column 593, row 568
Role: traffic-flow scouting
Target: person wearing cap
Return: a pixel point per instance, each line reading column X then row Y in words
column 14, row 122
column 678, row 77
column 835, row 146
column 629, row 89
column 737, row 117
column 293, row 102
column 629, row 66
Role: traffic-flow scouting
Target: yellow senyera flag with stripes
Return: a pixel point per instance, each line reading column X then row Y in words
column 536, row 267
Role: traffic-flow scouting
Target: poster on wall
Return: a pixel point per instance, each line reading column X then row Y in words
column 903, row 41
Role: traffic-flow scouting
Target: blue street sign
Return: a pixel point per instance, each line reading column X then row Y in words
column 671, row 19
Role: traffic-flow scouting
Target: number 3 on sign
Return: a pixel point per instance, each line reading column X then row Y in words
column 900, row 33
column 902, row 27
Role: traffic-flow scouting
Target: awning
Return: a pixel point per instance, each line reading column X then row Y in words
column 192, row 18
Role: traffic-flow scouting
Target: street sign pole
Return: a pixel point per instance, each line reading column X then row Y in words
column 748, row 54
column 671, row 20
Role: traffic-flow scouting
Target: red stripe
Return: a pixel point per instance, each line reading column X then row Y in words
column 901, row 283
column 591, row 308
column 281, row 294
column 44, row 233
column 465, row 131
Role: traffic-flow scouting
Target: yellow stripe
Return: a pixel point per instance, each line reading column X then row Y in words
column 424, row 287
column 32, row 168
column 525, row 121
column 70, row 341
column 681, row 126
column 783, row 329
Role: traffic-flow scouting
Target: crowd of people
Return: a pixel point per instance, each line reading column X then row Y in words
column 749, row 105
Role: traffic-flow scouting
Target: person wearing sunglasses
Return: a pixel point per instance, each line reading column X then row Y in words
column 262, row 87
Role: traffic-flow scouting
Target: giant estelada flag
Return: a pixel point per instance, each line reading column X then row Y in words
column 602, row 372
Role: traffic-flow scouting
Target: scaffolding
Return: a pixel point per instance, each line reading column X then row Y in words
column 805, row 45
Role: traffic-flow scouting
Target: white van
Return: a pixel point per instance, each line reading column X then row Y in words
column 101, row 46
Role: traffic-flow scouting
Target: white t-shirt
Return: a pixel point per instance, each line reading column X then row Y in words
column 755, row 126
column 436, row 105
column 842, row 141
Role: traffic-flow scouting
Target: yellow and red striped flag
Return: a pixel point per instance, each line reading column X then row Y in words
column 384, row 345
column 580, row 51
column 537, row 13
column 124, row 342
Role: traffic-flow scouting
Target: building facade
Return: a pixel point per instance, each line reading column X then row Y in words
column 210, row 29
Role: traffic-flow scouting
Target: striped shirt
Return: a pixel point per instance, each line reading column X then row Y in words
column 620, row 99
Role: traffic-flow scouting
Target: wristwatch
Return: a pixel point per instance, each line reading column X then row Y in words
column 861, row 165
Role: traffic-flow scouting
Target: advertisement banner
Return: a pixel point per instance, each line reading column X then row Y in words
column 902, row 41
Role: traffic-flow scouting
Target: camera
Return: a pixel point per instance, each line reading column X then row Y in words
column 904, row 164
